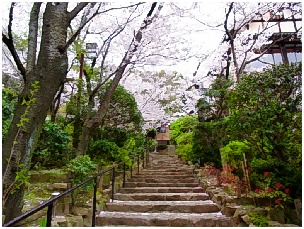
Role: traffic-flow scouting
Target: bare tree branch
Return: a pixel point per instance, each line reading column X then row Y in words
column 11, row 17
column 8, row 41
column 32, row 37
column 74, row 36
column 76, row 10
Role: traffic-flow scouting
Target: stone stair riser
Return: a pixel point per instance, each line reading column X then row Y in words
column 159, row 173
column 165, row 180
column 151, row 197
column 143, row 184
column 162, row 176
column 198, row 208
column 178, row 221
column 161, row 190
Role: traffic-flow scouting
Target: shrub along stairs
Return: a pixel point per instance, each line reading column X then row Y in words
column 165, row 193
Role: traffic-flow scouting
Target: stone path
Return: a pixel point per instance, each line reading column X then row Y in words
column 166, row 193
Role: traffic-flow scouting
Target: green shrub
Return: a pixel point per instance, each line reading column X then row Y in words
column 258, row 219
column 266, row 112
column 81, row 168
column 52, row 149
column 161, row 147
column 9, row 99
column 208, row 138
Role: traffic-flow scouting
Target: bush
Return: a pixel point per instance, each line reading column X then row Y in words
column 161, row 147
column 9, row 99
column 52, row 149
column 266, row 112
column 208, row 137
column 81, row 168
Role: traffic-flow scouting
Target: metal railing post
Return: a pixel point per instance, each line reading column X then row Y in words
column 113, row 183
column 94, row 203
column 143, row 160
column 124, row 175
column 49, row 215
column 138, row 164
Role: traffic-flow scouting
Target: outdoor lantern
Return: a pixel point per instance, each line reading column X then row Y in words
column 91, row 50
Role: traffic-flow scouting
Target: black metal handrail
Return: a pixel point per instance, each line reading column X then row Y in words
column 50, row 203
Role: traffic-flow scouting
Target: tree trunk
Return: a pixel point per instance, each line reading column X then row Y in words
column 48, row 75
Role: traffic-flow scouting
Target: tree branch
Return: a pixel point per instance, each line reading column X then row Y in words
column 76, row 10
column 8, row 41
column 11, row 48
column 32, row 37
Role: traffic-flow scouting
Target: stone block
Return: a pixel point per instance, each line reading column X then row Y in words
column 80, row 211
column 246, row 219
column 59, row 222
column 58, row 186
column 274, row 224
column 75, row 221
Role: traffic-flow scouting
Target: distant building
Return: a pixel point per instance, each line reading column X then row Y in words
column 286, row 44
column 163, row 137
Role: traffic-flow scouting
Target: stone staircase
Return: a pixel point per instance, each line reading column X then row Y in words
column 165, row 193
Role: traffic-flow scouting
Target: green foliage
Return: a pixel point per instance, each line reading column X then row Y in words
column 123, row 110
column 9, row 100
column 185, row 152
column 21, row 178
column 233, row 155
column 103, row 152
column 52, row 149
column 161, row 147
column 113, row 134
column 266, row 112
column 278, row 194
column 208, row 137
column 28, row 102
column 182, row 125
column 21, row 42
column 81, row 168
column 42, row 222
column 150, row 144
column 151, row 133
column 258, row 219
column 284, row 173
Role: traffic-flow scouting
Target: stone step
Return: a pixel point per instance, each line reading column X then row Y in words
column 165, row 180
column 161, row 196
column 162, row 190
column 165, row 219
column 166, row 167
column 167, row 206
column 179, row 176
column 144, row 184
column 169, row 170
column 156, row 172
column 171, row 166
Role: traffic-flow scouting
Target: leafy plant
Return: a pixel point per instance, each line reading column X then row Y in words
column 161, row 147
column 266, row 112
column 81, row 167
column 42, row 222
column 278, row 195
column 9, row 99
column 258, row 219
column 52, row 147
